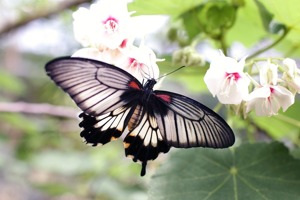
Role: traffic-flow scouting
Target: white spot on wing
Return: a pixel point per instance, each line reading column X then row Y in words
column 148, row 131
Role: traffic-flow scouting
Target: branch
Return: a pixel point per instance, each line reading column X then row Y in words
column 26, row 17
column 32, row 108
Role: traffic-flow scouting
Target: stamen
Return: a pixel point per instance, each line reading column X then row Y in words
column 111, row 25
column 235, row 75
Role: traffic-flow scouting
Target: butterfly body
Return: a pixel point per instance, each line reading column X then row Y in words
column 115, row 103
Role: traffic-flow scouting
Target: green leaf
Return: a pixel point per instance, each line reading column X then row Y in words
column 191, row 23
column 248, row 28
column 217, row 17
column 238, row 3
column 250, row 171
column 296, row 153
column 287, row 14
column 174, row 8
column 265, row 15
column 213, row 18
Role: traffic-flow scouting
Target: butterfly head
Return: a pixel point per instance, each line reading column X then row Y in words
column 150, row 84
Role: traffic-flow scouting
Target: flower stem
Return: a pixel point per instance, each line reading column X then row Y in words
column 288, row 119
column 217, row 107
column 286, row 31
column 223, row 43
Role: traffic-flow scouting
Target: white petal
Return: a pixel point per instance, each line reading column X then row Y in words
column 290, row 66
column 242, row 62
column 274, row 73
column 262, row 92
column 91, row 53
column 213, row 80
column 263, row 108
column 284, row 97
column 257, row 100
column 256, row 104
column 296, row 84
column 268, row 74
column 232, row 97
column 101, row 26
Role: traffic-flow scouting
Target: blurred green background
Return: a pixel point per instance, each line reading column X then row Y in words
column 41, row 153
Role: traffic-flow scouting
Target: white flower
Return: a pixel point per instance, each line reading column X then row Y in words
column 105, row 25
column 105, row 30
column 268, row 74
column 188, row 56
column 291, row 74
column 268, row 97
column 226, row 79
column 140, row 62
column 107, row 55
column 267, row 100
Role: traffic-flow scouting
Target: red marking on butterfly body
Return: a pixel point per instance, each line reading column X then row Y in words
column 134, row 85
column 164, row 97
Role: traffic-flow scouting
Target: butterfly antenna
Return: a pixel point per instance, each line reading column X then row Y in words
column 151, row 68
column 144, row 72
column 179, row 68
column 148, row 72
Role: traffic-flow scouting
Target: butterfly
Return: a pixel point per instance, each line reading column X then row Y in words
column 114, row 103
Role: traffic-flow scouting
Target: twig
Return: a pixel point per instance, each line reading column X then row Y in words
column 36, row 14
column 33, row 108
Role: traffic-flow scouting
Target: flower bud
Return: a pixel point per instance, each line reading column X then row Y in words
column 188, row 57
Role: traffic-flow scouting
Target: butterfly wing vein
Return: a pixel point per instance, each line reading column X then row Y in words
column 187, row 123
column 95, row 87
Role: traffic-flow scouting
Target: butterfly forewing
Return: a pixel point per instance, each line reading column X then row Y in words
column 96, row 87
column 186, row 123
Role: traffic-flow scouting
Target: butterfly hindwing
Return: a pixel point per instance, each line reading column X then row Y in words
column 144, row 141
column 96, row 87
column 186, row 123
column 104, row 128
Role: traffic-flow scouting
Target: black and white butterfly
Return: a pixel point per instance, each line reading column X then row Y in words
column 115, row 103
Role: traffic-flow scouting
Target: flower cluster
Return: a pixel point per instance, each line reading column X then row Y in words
column 267, row 86
column 107, row 35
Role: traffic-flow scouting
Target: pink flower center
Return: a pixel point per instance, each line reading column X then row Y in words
column 124, row 43
column 111, row 24
column 235, row 76
column 134, row 63
column 272, row 90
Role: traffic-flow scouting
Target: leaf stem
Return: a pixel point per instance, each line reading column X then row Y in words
column 286, row 31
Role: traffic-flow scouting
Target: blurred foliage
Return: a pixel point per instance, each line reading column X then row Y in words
column 42, row 157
